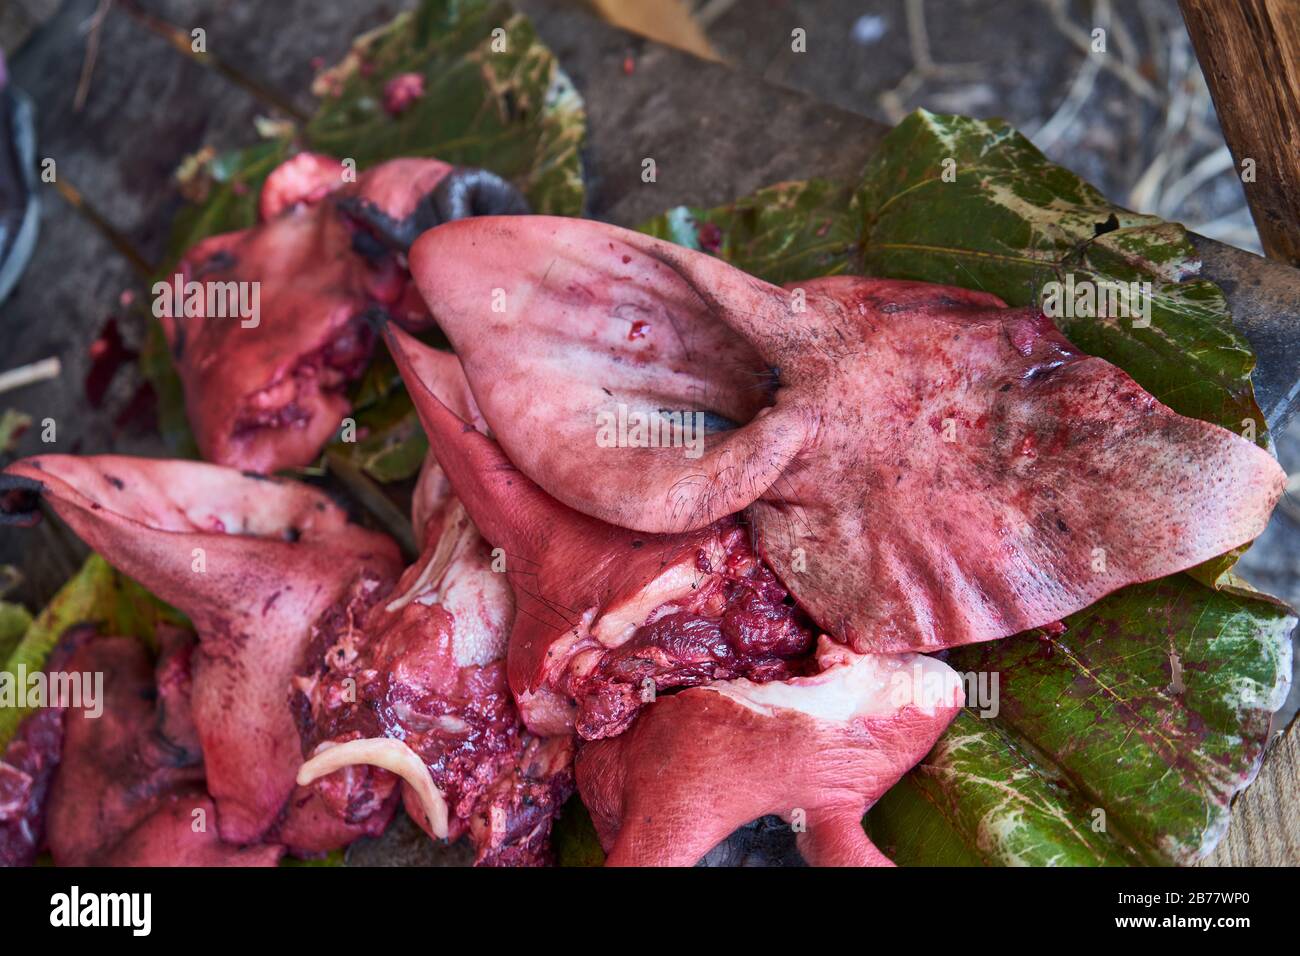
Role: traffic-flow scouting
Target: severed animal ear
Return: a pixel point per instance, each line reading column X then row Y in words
column 634, row 373
column 509, row 509
column 817, row 751
column 20, row 501
column 922, row 466
column 253, row 562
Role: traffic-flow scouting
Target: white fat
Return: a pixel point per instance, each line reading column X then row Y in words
column 863, row 685
column 458, row 577
column 481, row 606
column 387, row 754
column 456, row 528
column 677, row 583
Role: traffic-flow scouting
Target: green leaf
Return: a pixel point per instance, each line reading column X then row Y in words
column 12, row 425
column 1093, row 758
column 332, row 858
column 394, row 444
column 1123, row 739
column 98, row 594
column 14, row 621
column 501, row 103
column 574, row 837
column 233, row 185
column 1010, row 220
column 389, row 444
column 783, row 233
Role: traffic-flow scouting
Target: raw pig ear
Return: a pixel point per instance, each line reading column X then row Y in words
column 975, row 475
column 927, row 469
column 589, row 347
column 211, row 541
column 254, row 562
column 700, row 763
column 508, row 508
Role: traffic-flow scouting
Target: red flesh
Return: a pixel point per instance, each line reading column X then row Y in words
column 583, row 588
column 431, row 673
column 129, row 789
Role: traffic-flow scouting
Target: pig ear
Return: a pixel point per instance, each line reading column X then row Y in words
column 606, row 366
column 508, row 509
column 208, row 539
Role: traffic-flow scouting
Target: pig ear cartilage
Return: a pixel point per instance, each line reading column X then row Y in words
column 476, row 192
column 20, row 501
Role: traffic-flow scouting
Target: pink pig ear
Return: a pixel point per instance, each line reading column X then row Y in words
column 254, row 562
column 700, row 763
column 509, row 509
column 208, row 539
column 605, row 365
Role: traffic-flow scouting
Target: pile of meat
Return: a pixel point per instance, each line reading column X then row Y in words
column 720, row 615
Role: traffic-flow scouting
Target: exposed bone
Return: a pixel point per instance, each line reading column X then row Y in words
column 386, row 753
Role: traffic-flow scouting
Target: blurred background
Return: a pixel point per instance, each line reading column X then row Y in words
column 1138, row 123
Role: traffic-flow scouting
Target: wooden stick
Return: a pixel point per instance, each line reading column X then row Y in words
column 29, row 374
column 1250, row 53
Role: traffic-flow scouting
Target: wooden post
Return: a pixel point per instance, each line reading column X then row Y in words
column 1250, row 53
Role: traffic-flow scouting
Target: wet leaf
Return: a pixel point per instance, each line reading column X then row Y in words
column 389, row 441
column 1096, row 757
column 783, row 233
column 14, row 621
column 1123, row 739
column 500, row 102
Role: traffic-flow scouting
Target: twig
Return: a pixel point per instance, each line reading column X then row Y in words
column 370, row 497
column 712, row 10
column 923, row 65
column 30, row 374
column 1081, row 88
column 1081, row 39
column 119, row 241
column 181, row 42
column 1206, row 169
column 96, row 22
